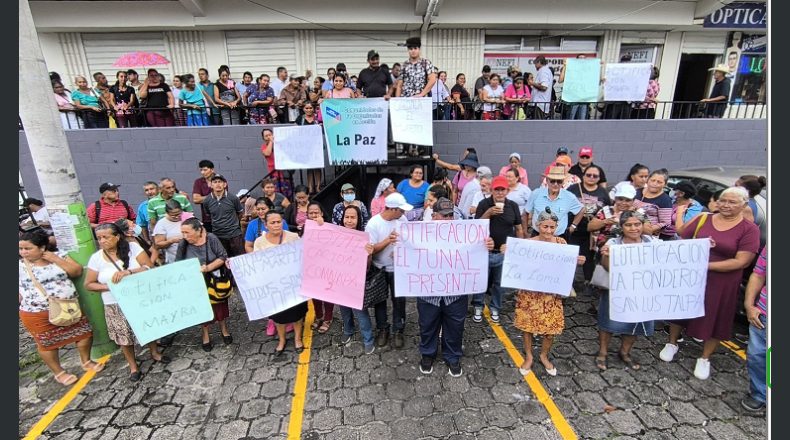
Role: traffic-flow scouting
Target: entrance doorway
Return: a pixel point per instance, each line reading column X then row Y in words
column 692, row 83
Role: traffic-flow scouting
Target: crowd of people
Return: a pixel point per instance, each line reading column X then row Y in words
column 575, row 204
column 190, row 100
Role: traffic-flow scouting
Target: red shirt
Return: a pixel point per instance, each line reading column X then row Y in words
column 269, row 159
column 203, row 188
column 110, row 213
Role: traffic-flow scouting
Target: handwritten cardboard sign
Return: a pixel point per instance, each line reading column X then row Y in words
column 270, row 280
column 299, row 148
column 335, row 262
column 626, row 81
column 659, row 280
column 582, row 79
column 539, row 266
column 164, row 300
column 412, row 120
column 441, row 258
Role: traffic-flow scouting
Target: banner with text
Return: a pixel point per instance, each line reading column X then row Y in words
column 659, row 280
column 626, row 81
column 299, row 148
column 539, row 266
column 270, row 280
column 335, row 263
column 412, row 120
column 162, row 301
column 582, row 80
column 355, row 130
column 441, row 258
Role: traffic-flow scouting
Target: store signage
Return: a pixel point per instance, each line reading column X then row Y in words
column 738, row 15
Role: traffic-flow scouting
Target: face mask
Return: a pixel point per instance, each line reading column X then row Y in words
column 348, row 198
column 138, row 230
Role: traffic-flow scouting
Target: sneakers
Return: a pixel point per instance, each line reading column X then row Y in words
column 751, row 404
column 345, row 339
column 700, row 341
column 382, row 338
column 397, row 340
column 399, row 151
column 669, row 352
column 478, row 317
column 494, row 315
column 426, row 365
column 455, row 369
column 370, row 349
column 702, row 370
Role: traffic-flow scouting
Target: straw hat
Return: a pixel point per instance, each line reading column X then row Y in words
column 720, row 68
column 555, row 172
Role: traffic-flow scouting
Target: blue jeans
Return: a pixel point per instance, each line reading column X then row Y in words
column 365, row 324
column 398, row 309
column 449, row 319
column 756, row 361
column 495, row 261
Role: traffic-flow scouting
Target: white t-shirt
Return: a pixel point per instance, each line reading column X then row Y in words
column 106, row 269
column 542, row 98
column 520, row 195
column 170, row 230
column 478, row 197
column 278, row 87
column 379, row 229
column 41, row 216
column 472, row 187
column 499, row 93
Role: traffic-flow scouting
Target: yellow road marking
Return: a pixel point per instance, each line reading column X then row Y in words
column 300, row 388
column 560, row 423
column 735, row 349
column 42, row 424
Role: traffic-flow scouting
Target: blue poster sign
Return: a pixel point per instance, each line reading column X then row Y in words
column 738, row 16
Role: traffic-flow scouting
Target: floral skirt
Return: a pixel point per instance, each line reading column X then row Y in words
column 51, row 337
column 117, row 326
column 539, row 313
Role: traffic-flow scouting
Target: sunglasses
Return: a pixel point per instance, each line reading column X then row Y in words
column 623, row 199
column 584, row 157
column 556, row 181
column 593, row 176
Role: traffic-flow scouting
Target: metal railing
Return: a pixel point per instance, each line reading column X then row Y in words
column 475, row 110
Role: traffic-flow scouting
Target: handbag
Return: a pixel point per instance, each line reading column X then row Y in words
column 376, row 288
column 600, row 277
column 520, row 114
column 62, row 312
column 218, row 285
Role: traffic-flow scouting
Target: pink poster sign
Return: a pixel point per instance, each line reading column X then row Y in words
column 335, row 263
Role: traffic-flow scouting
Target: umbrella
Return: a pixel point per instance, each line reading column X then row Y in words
column 141, row 59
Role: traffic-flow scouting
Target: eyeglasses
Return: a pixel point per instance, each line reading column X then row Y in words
column 584, row 157
column 623, row 199
column 555, row 181
column 592, row 176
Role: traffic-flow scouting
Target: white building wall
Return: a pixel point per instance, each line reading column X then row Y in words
column 456, row 51
column 186, row 50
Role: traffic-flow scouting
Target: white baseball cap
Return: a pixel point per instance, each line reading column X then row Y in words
column 627, row 191
column 396, row 200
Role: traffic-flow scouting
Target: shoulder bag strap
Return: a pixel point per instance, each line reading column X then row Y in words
column 699, row 224
column 35, row 281
column 112, row 261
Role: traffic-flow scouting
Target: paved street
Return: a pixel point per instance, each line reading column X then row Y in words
column 243, row 392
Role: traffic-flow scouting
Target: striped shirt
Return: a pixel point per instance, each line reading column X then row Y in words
column 565, row 203
column 109, row 213
column 156, row 206
column 762, row 269
column 658, row 209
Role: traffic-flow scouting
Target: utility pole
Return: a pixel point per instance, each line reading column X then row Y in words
column 51, row 155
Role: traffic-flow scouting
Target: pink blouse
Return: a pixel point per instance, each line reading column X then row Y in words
column 345, row 93
column 511, row 92
column 653, row 87
column 376, row 206
column 522, row 174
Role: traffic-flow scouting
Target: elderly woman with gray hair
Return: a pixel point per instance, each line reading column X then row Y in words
column 735, row 242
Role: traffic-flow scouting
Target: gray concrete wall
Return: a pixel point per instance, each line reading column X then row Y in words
column 130, row 157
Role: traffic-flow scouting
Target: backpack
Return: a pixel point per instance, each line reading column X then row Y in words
column 97, row 205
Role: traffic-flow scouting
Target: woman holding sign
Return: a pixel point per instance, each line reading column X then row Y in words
column 117, row 259
column 631, row 223
column 294, row 315
column 735, row 242
column 537, row 312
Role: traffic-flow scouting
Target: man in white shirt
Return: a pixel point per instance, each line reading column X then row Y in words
column 471, row 188
column 541, row 88
column 441, row 97
column 278, row 84
column 383, row 235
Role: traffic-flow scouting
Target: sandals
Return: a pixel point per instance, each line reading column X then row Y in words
column 97, row 367
column 628, row 360
column 299, row 350
column 317, row 323
column 325, row 327
column 601, row 363
column 68, row 379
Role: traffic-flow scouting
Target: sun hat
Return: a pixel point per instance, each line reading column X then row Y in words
column 555, row 172
column 470, row 160
column 720, row 68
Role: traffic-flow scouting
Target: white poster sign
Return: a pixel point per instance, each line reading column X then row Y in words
column 270, row 280
column 626, row 81
column 412, row 120
column 441, row 258
column 63, row 226
column 659, row 280
column 299, row 147
column 539, row 266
